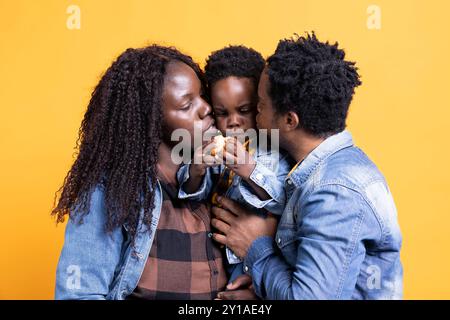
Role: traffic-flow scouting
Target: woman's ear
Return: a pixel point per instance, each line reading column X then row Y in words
column 291, row 120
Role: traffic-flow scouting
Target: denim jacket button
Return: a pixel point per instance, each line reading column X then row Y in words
column 279, row 240
column 246, row 268
column 289, row 181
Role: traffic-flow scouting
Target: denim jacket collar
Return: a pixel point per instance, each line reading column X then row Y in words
column 329, row 146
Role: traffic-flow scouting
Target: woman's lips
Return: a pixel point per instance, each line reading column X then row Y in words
column 210, row 126
column 209, row 131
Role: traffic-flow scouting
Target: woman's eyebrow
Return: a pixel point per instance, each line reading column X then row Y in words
column 186, row 94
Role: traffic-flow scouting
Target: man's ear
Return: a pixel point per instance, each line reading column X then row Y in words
column 291, row 120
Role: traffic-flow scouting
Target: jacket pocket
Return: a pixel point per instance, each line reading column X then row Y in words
column 287, row 243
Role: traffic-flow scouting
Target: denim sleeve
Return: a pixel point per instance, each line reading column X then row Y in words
column 269, row 174
column 234, row 271
column 203, row 191
column 89, row 255
column 328, row 252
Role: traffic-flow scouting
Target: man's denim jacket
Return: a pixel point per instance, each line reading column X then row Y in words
column 338, row 237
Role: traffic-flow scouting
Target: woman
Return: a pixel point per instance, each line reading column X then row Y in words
column 128, row 235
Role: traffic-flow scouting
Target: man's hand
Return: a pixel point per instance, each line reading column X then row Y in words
column 240, row 227
column 240, row 289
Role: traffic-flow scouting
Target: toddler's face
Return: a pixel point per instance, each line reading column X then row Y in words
column 234, row 102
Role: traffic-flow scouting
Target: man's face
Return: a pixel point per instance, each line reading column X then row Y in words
column 266, row 117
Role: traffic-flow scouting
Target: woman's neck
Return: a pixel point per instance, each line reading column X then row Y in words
column 165, row 163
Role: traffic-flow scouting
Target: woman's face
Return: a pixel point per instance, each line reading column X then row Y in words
column 234, row 102
column 183, row 103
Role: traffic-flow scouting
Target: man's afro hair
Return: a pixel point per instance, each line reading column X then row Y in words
column 312, row 79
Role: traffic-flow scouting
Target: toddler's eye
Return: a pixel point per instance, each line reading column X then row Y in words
column 245, row 110
column 220, row 113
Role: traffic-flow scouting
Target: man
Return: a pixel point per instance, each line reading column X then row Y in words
column 338, row 237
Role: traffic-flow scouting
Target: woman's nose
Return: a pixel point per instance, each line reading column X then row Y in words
column 204, row 110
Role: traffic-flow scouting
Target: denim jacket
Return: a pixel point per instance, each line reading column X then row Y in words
column 95, row 265
column 338, row 237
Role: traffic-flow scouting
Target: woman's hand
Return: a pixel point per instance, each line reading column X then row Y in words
column 203, row 159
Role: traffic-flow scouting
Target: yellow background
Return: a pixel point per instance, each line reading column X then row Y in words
column 399, row 115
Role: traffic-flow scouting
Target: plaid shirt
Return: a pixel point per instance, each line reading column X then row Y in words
column 184, row 263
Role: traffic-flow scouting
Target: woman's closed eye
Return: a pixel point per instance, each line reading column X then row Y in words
column 186, row 106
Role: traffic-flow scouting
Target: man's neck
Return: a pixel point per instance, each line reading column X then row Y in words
column 165, row 163
column 303, row 144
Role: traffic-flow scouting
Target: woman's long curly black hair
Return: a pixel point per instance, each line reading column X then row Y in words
column 119, row 139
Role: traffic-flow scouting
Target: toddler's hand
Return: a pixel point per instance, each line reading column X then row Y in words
column 238, row 159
